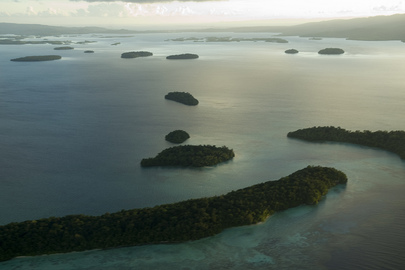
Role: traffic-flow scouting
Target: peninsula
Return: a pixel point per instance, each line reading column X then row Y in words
column 177, row 136
column 136, row 54
column 393, row 141
column 37, row 58
column 182, row 56
column 169, row 223
column 182, row 97
column 190, row 156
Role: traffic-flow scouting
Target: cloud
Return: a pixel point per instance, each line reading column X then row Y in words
column 146, row 1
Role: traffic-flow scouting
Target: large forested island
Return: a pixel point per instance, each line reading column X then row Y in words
column 182, row 97
column 182, row 56
column 177, row 136
column 177, row 222
column 393, row 141
column 37, row 58
column 136, row 54
column 190, row 156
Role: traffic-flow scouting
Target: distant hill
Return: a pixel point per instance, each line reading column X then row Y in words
column 370, row 28
column 47, row 30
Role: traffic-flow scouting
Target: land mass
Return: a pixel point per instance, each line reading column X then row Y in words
column 178, row 222
column 136, row 54
column 393, row 141
column 182, row 56
column 366, row 28
column 177, row 136
column 331, row 51
column 37, row 58
column 229, row 39
column 63, row 48
column 291, row 51
column 190, row 156
column 182, row 97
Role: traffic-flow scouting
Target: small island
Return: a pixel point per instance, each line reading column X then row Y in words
column 136, row 54
column 331, row 51
column 88, row 51
column 182, row 56
column 177, row 136
column 393, row 141
column 63, row 48
column 182, row 97
column 190, row 156
column 169, row 223
column 291, row 51
column 37, row 58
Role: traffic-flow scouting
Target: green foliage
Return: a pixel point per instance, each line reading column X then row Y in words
column 182, row 56
column 183, row 221
column 331, row 51
column 37, row 58
column 182, row 97
column 177, row 136
column 190, row 156
column 136, row 54
column 63, row 48
column 291, row 51
column 393, row 141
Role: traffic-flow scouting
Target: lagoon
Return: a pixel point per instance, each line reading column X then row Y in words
column 74, row 131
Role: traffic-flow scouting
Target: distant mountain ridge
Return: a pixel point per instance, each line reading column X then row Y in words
column 47, row 30
column 369, row 28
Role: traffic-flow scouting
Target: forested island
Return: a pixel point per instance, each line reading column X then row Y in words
column 182, row 56
column 63, row 48
column 393, row 141
column 178, row 222
column 190, row 156
column 37, row 58
column 136, row 54
column 229, row 39
column 89, row 51
column 182, row 97
column 331, row 51
column 291, row 51
column 177, row 136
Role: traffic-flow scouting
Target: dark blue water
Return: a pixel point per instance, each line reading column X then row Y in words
column 73, row 131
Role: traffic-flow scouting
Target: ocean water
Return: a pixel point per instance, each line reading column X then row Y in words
column 73, row 132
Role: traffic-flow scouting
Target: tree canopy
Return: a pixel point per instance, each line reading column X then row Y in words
column 182, row 97
column 393, row 141
column 183, row 221
column 190, row 156
column 177, row 136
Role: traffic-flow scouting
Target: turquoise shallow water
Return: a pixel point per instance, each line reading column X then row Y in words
column 74, row 131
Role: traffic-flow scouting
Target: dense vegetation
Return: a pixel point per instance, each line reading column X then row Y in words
column 393, row 141
column 37, row 58
column 183, row 56
column 291, row 51
column 63, row 48
column 190, row 156
column 183, row 221
column 136, row 54
column 177, row 136
column 331, row 51
column 182, row 97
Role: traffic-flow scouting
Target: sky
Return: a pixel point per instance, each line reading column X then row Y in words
column 138, row 13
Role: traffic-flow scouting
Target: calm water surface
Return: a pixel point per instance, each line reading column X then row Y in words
column 73, row 133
